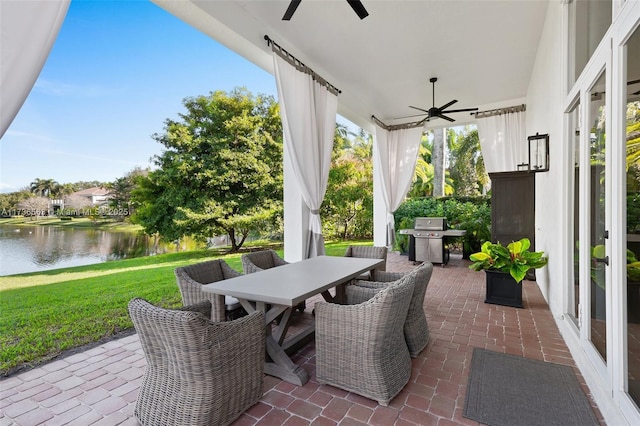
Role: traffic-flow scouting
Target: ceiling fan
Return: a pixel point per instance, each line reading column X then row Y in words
column 356, row 5
column 434, row 112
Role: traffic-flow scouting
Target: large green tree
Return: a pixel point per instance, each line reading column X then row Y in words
column 9, row 202
column 220, row 171
column 121, row 191
column 347, row 208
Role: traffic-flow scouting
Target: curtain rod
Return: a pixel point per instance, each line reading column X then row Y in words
column 391, row 127
column 499, row 111
column 275, row 47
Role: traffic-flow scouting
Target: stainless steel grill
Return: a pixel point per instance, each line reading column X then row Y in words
column 426, row 239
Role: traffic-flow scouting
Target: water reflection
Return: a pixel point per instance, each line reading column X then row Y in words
column 30, row 249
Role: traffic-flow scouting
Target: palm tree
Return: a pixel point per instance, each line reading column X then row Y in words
column 44, row 187
column 37, row 186
column 425, row 172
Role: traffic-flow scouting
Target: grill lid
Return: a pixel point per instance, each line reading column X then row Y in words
column 430, row 223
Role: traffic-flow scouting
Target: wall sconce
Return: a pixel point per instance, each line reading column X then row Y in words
column 538, row 153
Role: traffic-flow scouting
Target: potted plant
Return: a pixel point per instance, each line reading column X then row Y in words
column 505, row 268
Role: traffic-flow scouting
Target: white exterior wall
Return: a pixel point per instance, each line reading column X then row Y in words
column 544, row 115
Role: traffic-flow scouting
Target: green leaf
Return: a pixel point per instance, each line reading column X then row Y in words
column 518, row 272
column 479, row 257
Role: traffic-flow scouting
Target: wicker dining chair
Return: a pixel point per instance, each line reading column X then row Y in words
column 266, row 259
column 199, row 372
column 191, row 278
column 416, row 328
column 369, row 252
column 259, row 260
column 361, row 348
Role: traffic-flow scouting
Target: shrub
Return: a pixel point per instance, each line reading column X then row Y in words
column 473, row 214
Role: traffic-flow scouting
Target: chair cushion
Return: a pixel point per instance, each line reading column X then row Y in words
column 231, row 303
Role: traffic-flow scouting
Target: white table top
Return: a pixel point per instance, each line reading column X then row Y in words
column 295, row 282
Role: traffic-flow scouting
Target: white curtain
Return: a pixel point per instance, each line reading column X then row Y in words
column 28, row 30
column 503, row 141
column 308, row 112
column 396, row 160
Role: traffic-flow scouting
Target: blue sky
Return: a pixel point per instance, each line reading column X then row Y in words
column 116, row 72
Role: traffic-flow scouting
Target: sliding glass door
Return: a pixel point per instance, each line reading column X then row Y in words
column 632, row 162
column 598, row 232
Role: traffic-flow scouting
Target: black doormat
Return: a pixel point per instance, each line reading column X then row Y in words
column 511, row 391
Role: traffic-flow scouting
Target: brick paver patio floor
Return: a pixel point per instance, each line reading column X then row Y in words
column 99, row 386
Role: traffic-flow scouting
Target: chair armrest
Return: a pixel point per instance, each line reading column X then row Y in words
column 250, row 268
column 357, row 294
column 278, row 261
column 384, row 276
column 228, row 271
column 370, row 284
column 203, row 307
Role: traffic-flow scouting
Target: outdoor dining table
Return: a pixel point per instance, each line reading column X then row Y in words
column 280, row 290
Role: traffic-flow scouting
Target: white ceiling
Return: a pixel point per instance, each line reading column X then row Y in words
column 481, row 51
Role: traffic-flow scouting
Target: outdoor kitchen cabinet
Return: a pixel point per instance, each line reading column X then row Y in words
column 513, row 207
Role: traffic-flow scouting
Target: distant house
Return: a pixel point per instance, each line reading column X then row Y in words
column 96, row 195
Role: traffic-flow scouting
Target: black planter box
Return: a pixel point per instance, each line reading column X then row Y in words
column 502, row 289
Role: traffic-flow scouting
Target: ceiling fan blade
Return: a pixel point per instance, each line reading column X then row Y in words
column 409, row 116
column 291, row 10
column 460, row 110
column 447, row 105
column 422, row 121
column 446, row 118
column 358, row 8
column 419, row 109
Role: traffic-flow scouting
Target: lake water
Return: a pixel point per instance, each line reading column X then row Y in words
column 39, row 248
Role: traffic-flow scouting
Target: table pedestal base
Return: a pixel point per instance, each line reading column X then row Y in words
column 282, row 366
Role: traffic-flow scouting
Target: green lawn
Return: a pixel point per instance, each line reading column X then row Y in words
column 43, row 314
column 76, row 222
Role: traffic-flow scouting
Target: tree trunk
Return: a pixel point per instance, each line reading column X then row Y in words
column 232, row 238
column 437, row 160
